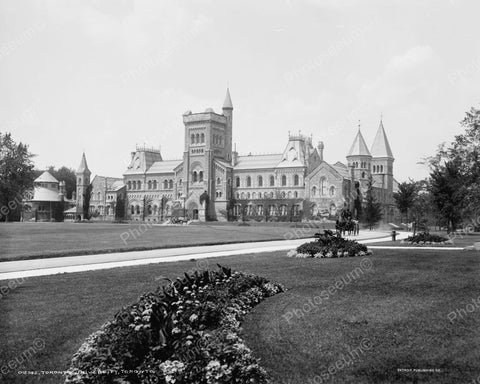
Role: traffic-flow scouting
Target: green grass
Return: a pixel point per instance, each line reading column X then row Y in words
column 400, row 306
column 37, row 240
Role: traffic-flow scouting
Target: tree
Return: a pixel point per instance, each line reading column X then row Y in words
column 448, row 192
column 120, row 208
column 86, row 202
column 464, row 152
column 372, row 212
column 16, row 176
column 405, row 197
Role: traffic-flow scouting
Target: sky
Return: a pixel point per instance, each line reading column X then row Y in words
column 102, row 76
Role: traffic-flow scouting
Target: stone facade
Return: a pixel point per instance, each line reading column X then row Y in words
column 212, row 182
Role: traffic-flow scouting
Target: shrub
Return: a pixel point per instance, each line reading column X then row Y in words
column 426, row 237
column 330, row 245
column 185, row 332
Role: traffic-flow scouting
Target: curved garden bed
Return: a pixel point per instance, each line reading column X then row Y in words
column 329, row 245
column 426, row 238
column 186, row 332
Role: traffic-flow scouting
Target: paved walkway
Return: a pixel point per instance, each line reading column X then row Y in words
column 71, row 264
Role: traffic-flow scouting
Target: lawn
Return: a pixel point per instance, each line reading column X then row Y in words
column 390, row 314
column 36, row 240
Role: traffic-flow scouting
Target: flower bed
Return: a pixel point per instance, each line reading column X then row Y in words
column 426, row 238
column 186, row 332
column 330, row 245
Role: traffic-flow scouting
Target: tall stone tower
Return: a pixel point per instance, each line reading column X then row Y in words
column 382, row 163
column 228, row 113
column 83, row 181
column 208, row 137
column 359, row 158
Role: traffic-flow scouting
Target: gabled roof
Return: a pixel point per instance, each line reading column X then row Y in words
column 359, row 147
column 381, row 146
column 116, row 185
column 331, row 168
column 167, row 166
column 228, row 101
column 46, row 177
column 83, row 168
column 258, row 161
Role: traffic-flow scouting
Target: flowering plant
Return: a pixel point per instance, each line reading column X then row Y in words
column 186, row 332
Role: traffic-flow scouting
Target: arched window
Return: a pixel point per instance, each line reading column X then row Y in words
column 381, row 169
column 154, row 184
column 295, row 195
column 363, row 175
column 254, row 195
column 138, row 209
column 242, row 195
column 139, row 184
column 155, row 209
column 192, row 138
column 219, row 181
column 149, row 209
column 272, row 181
column 149, row 184
column 283, row 195
column 200, row 176
column 260, row 181
column 194, row 177
column 129, row 185
column 284, row 180
column 238, row 195
column 314, row 191
column 79, row 180
column 99, row 196
column 202, row 138
column 132, row 209
column 296, row 180
column 134, row 185
column 197, row 138
column 322, row 186
column 332, row 191
column 248, row 195
column 249, row 181
column 170, row 184
column 237, row 181
column 165, row 184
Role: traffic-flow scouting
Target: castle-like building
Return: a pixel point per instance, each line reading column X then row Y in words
column 212, row 182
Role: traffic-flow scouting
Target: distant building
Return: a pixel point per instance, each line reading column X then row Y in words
column 48, row 198
column 212, row 182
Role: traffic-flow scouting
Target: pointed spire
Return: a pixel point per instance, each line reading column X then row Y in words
column 83, row 168
column 381, row 146
column 359, row 147
column 227, row 104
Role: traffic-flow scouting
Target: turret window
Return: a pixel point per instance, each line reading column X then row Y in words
column 296, row 180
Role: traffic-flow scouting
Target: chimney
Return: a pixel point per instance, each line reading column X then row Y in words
column 320, row 149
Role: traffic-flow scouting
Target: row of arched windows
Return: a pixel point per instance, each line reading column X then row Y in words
column 271, row 181
column 378, row 169
column 151, row 209
column 197, row 177
column 322, row 189
column 198, row 138
column 363, row 164
column 267, row 195
column 151, row 184
column 218, row 140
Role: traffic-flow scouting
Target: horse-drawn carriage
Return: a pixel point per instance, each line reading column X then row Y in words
column 345, row 224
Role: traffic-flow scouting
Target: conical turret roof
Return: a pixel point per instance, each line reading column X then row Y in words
column 227, row 104
column 83, row 168
column 359, row 147
column 381, row 147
